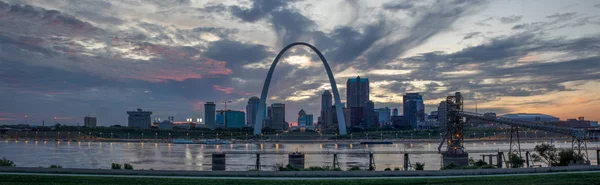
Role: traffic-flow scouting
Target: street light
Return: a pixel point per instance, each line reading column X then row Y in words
column 68, row 135
column 411, row 136
column 128, row 134
column 396, row 135
column 430, row 136
column 156, row 136
column 381, row 135
column 350, row 136
column 169, row 136
column 187, row 135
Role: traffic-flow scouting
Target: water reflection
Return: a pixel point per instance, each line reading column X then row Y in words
column 192, row 157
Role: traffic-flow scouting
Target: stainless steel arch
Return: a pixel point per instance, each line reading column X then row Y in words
column 263, row 96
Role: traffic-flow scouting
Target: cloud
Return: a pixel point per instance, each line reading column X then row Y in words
column 471, row 35
column 227, row 90
column 562, row 17
column 510, row 19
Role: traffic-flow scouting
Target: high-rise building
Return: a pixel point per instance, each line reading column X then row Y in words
column 441, row 115
column 89, row 122
column 220, row 119
column 413, row 109
column 309, row 120
column 301, row 118
column 278, row 116
column 384, row 115
column 357, row 92
column 357, row 116
column 395, row 112
column 251, row 110
column 139, row 119
column 234, row 119
column 209, row 115
column 370, row 119
column 326, row 100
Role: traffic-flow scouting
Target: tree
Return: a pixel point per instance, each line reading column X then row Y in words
column 7, row 163
column 419, row 166
column 546, row 152
column 515, row 161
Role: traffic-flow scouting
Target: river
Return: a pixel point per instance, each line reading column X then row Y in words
column 164, row 156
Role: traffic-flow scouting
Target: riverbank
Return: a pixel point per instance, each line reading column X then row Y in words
column 297, row 141
column 308, row 174
column 558, row 178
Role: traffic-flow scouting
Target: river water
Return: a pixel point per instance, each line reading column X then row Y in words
column 164, row 156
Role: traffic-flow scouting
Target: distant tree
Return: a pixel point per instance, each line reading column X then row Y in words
column 419, row 166
column 115, row 166
column 387, row 169
column 354, row 168
column 55, row 166
column 396, row 169
column 515, row 161
column 127, row 166
column 7, row 163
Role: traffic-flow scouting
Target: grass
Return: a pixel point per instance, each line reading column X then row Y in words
column 558, row 179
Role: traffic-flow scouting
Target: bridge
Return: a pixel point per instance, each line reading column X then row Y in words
column 456, row 117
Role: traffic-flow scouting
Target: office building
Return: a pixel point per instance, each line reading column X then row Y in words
column 234, row 119
column 220, row 119
column 356, row 116
column 278, row 116
column 370, row 119
column 395, row 112
column 413, row 109
column 442, row 114
column 301, row 118
column 251, row 110
column 209, row 115
column 326, row 100
column 357, row 92
column 384, row 115
column 305, row 120
column 139, row 119
column 89, row 122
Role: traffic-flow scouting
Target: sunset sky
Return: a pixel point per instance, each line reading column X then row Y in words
column 72, row 58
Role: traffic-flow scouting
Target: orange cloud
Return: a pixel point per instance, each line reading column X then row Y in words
column 226, row 90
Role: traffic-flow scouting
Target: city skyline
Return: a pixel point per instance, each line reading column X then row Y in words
column 65, row 61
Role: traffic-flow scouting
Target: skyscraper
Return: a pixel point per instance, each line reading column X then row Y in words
column 326, row 100
column 302, row 118
column 139, row 119
column 234, row 119
column 277, row 116
column 89, row 122
column 369, row 120
column 209, row 115
column 251, row 110
column 384, row 115
column 395, row 112
column 357, row 92
column 413, row 108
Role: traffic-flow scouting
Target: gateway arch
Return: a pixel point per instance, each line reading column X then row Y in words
column 263, row 96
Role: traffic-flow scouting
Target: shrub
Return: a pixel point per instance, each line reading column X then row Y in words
column 115, row 166
column 7, row 163
column 55, row 166
column 396, row 169
column 387, row 169
column 451, row 166
column 354, row 168
column 489, row 167
column 127, row 166
column 480, row 163
column 419, row 166
column 515, row 161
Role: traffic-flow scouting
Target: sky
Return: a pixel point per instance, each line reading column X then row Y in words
column 65, row 59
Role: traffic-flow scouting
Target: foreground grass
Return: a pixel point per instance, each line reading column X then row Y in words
column 583, row 178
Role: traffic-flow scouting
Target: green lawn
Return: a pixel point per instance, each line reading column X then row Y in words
column 558, row 179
